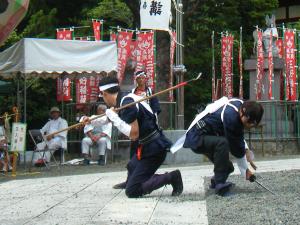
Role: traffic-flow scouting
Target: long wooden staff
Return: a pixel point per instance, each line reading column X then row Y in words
column 128, row 105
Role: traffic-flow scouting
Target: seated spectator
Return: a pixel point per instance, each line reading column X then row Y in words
column 5, row 165
column 53, row 142
column 97, row 135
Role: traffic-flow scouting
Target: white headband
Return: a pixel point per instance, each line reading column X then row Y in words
column 141, row 74
column 107, row 86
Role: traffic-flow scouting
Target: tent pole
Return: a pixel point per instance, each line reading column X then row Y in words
column 25, row 99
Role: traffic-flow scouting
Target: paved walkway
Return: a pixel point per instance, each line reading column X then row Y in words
column 90, row 199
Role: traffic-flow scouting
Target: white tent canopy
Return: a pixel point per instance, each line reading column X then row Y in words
column 48, row 57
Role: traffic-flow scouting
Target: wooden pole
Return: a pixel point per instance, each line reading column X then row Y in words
column 128, row 105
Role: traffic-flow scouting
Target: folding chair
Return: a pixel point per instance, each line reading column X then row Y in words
column 37, row 137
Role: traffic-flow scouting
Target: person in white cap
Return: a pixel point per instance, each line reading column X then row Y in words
column 54, row 142
column 99, row 135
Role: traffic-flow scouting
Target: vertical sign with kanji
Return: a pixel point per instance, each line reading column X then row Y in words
column 18, row 137
column 145, row 55
column 124, row 42
column 82, row 90
column 271, row 68
column 290, row 63
column 259, row 66
column 279, row 44
column 227, row 79
column 155, row 14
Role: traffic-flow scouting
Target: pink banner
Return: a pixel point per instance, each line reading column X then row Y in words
column 124, row 41
column 271, row 68
column 227, row 79
column 145, row 55
column 172, row 52
column 96, row 27
column 290, row 63
column 259, row 66
column 64, row 34
column 63, row 90
column 279, row 44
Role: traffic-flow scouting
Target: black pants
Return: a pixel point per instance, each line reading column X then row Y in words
column 133, row 148
column 217, row 149
column 140, row 171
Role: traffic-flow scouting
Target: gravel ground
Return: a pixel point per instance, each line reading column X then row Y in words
column 250, row 204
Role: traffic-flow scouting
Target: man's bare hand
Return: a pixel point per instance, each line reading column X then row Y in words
column 49, row 137
column 250, row 157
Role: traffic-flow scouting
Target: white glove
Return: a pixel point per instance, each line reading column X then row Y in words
column 122, row 126
column 242, row 164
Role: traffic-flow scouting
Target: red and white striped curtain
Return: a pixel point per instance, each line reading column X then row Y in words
column 145, row 55
column 226, row 67
column 259, row 66
column 290, row 63
column 97, row 29
column 124, row 41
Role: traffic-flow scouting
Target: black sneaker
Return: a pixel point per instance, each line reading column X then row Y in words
column 86, row 162
column 212, row 183
column 176, row 182
column 120, row 185
column 223, row 189
column 101, row 160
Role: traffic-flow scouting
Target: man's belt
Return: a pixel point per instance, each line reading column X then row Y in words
column 150, row 137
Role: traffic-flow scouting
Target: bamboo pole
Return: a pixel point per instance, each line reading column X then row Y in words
column 128, row 105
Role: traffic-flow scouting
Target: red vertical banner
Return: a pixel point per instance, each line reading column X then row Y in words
column 259, row 66
column 227, row 79
column 290, row 65
column 271, row 68
column 82, row 90
column 172, row 53
column 97, row 32
column 93, row 86
column 279, row 44
column 133, row 53
column 113, row 36
column 124, row 41
column 145, row 55
column 65, row 85
column 240, row 61
column 63, row 89
column 64, row 34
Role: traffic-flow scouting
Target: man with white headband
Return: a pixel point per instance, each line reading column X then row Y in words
column 142, row 90
column 218, row 130
column 138, row 122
